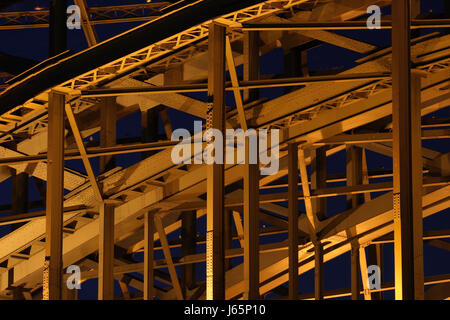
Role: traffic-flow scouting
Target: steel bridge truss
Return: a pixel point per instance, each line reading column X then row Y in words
column 107, row 218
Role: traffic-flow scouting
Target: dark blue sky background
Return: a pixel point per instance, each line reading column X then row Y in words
column 33, row 44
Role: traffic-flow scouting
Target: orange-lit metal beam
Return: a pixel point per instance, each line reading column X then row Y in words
column 53, row 265
column 215, row 246
column 293, row 219
column 149, row 231
column 251, row 170
column 106, row 252
column 88, row 28
column 407, row 161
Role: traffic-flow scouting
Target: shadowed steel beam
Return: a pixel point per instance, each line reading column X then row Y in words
column 318, row 271
column 407, row 161
column 354, row 177
column 371, row 256
column 106, row 252
column 149, row 230
column 228, row 226
column 415, row 12
column 58, row 27
column 166, row 123
column 53, row 267
column 108, row 115
column 293, row 219
column 295, row 61
column 251, row 169
column 251, row 225
column 188, row 247
column 365, row 175
column 374, row 253
column 149, row 124
column 215, row 246
column 355, row 271
column 354, row 170
column 319, row 180
column 251, row 63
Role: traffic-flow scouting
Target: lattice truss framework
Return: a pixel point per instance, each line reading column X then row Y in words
column 98, row 15
column 158, row 187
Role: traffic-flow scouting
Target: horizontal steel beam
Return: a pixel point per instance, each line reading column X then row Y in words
column 379, row 137
column 340, row 25
column 201, row 240
column 373, row 174
column 250, row 84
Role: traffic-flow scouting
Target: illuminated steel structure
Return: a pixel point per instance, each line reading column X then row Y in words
column 101, row 220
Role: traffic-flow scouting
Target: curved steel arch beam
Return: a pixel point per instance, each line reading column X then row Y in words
column 177, row 19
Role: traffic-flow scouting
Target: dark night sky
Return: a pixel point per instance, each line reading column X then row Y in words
column 33, row 44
